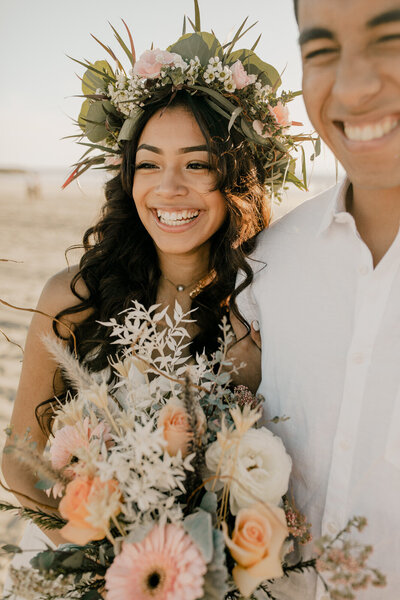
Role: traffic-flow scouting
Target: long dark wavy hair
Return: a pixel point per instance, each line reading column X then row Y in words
column 120, row 262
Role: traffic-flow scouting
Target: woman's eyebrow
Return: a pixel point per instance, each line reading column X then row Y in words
column 390, row 16
column 201, row 148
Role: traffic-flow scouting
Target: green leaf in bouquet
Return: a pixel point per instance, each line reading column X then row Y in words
column 74, row 561
column 199, row 526
column 209, row 502
column 234, row 116
column 215, row 580
column 129, row 125
column 202, row 44
column 266, row 73
column 43, row 561
column 44, row 484
column 11, row 549
column 224, row 102
column 92, row 79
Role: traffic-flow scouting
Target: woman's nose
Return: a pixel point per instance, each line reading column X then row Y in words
column 171, row 183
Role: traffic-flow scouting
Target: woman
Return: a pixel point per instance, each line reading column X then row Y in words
column 179, row 220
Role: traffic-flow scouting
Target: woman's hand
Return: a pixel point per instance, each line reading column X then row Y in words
column 246, row 349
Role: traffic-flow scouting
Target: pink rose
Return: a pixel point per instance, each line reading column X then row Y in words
column 259, row 126
column 280, row 112
column 150, row 63
column 256, row 545
column 240, row 76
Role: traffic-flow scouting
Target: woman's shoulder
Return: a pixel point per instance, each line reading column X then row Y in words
column 58, row 293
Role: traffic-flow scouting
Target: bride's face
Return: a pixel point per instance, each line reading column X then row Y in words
column 173, row 183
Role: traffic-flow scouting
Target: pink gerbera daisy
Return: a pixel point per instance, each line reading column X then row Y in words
column 166, row 565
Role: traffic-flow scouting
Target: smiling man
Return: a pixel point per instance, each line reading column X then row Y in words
column 328, row 299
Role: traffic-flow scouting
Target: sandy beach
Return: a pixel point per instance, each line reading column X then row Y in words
column 35, row 231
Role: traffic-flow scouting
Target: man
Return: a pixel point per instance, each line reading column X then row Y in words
column 328, row 297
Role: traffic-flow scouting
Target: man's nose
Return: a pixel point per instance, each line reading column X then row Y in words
column 357, row 81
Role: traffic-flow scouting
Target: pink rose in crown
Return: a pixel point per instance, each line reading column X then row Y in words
column 260, row 128
column 240, row 76
column 150, row 63
column 280, row 112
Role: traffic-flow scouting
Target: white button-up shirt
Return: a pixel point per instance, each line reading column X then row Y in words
column 330, row 329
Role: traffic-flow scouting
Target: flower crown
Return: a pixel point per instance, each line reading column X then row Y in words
column 237, row 84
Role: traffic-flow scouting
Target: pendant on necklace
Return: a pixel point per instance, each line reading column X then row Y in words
column 180, row 287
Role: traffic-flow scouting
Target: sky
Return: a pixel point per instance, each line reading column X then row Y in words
column 39, row 81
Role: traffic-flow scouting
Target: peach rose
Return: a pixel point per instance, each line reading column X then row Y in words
column 256, row 545
column 281, row 114
column 240, row 76
column 88, row 505
column 150, row 63
column 173, row 419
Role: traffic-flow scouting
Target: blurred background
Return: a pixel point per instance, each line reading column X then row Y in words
column 38, row 221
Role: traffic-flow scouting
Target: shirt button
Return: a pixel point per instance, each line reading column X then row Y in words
column 344, row 445
column 357, row 358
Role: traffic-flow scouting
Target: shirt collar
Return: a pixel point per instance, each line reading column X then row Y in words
column 336, row 211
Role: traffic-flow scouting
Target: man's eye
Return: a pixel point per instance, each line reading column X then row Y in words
column 319, row 52
column 145, row 165
column 390, row 37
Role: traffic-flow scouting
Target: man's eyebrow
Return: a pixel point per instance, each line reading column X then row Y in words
column 315, row 33
column 201, row 148
column 387, row 17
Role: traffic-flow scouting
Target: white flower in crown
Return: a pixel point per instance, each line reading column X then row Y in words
column 225, row 74
column 214, row 61
column 229, row 86
column 209, row 76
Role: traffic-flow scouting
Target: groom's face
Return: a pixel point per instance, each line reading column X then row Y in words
column 351, row 83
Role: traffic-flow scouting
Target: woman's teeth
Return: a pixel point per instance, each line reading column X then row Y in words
column 370, row 132
column 177, row 218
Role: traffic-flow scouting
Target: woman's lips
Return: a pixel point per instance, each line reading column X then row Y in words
column 176, row 220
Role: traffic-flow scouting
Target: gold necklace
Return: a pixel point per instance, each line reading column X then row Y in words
column 199, row 284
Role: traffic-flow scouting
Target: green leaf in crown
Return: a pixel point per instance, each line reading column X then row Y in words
column 204, row 45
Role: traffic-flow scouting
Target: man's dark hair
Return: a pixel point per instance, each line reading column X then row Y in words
column 296, row 6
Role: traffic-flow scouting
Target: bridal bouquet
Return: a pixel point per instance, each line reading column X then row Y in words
column 169, row 489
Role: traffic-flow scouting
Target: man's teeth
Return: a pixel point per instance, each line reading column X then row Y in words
column 177, row 218
column 370, row 132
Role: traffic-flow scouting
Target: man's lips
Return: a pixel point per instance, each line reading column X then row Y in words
column 368, row 131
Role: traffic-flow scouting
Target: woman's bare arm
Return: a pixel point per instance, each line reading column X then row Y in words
column 36, row 385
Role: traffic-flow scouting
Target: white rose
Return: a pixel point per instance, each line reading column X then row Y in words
column 262, row 468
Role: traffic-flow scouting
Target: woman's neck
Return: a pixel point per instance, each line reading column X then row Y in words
column 184, row 269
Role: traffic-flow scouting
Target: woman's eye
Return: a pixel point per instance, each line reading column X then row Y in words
column 197, row 166
column 145, row 165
